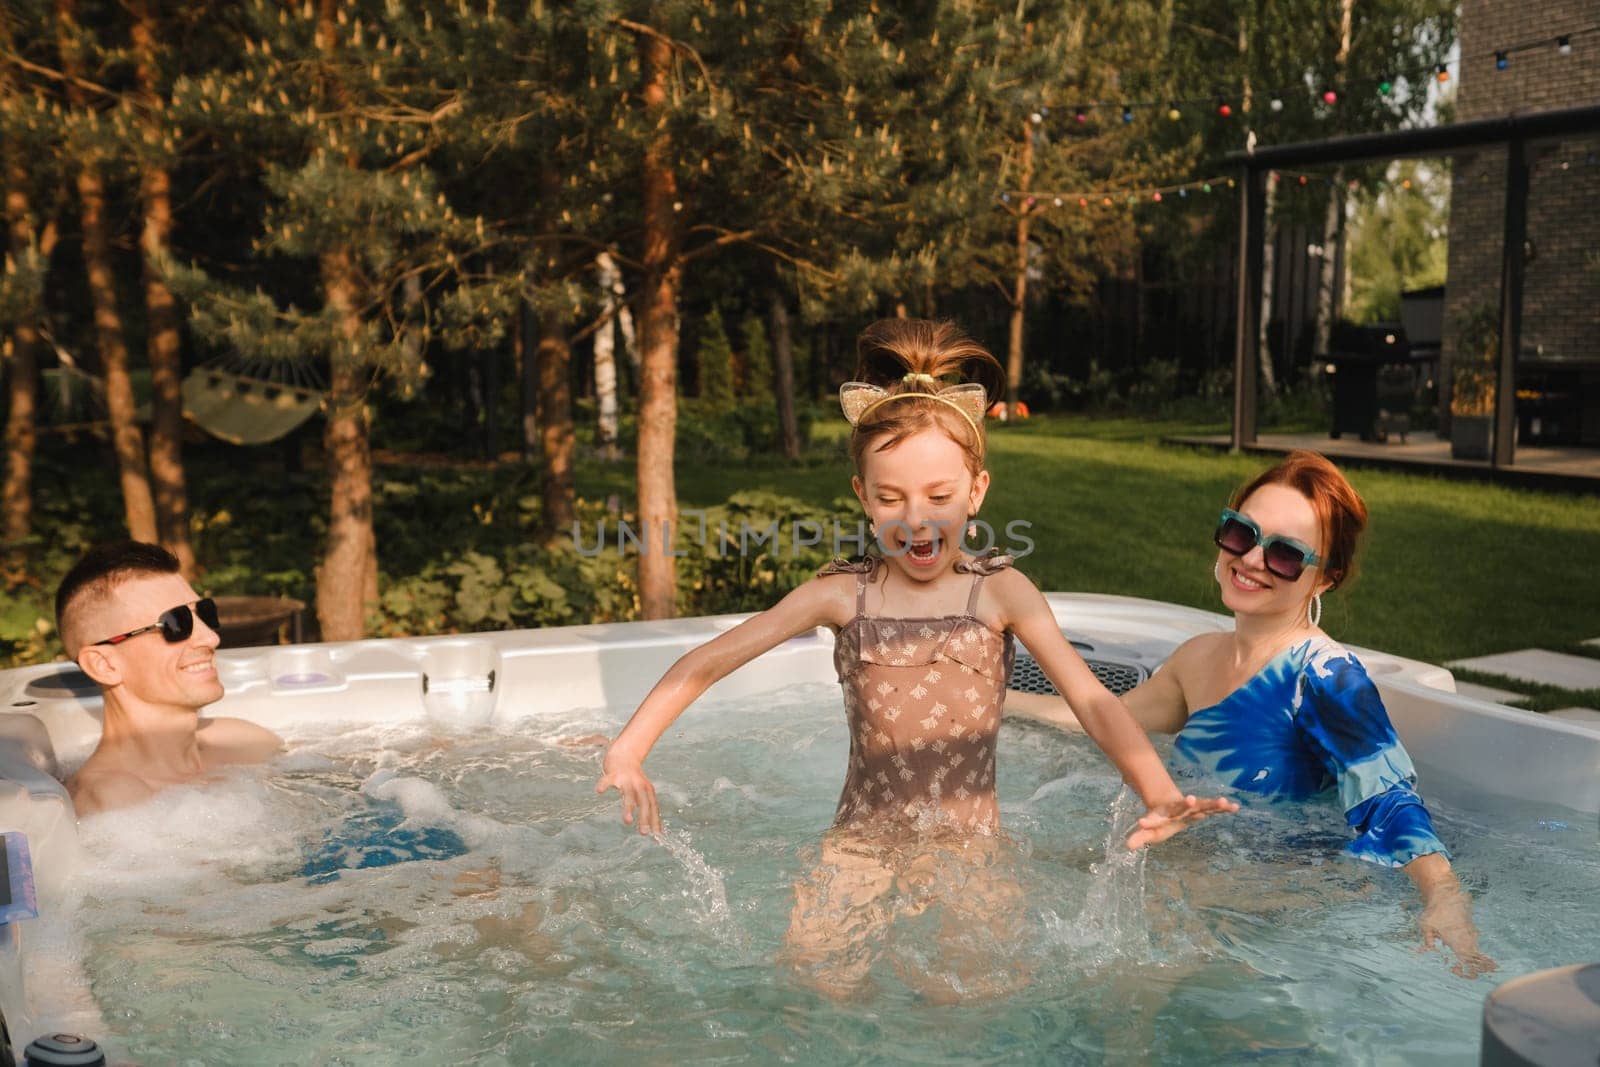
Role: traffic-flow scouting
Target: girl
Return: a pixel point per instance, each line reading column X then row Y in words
column 924, row 647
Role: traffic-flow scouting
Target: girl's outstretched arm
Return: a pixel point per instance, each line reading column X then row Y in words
column 826, row 601
column 1105, row 718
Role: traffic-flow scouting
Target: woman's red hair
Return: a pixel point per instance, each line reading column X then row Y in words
column 1340, row 510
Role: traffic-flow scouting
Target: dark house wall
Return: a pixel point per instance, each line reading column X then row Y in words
column 1559, row 365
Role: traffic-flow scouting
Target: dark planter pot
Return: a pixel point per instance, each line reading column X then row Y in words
column 1471, row 436
column 257, row 620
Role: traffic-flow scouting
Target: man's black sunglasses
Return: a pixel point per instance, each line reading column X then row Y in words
column 175, row 624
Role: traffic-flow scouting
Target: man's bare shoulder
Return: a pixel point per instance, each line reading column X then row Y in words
column 95, row 789
column 228, row 740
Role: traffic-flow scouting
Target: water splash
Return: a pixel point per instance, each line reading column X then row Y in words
column 1112, row 923
column 706, row 888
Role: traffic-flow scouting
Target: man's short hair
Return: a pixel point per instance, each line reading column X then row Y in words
column 106, row 566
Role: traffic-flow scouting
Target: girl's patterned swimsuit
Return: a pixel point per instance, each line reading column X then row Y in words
column 923, row 698
column 1309, row 720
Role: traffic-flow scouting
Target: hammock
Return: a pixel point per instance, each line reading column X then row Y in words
column 243, row 408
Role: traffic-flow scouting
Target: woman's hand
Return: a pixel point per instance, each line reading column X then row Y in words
column 1447, row 917
column 638, row 794
column 1161, row 821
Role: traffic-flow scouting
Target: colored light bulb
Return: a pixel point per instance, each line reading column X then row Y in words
column 1127, row 114
column 1385, row 88
column 1276, row 105
column 1330, row 97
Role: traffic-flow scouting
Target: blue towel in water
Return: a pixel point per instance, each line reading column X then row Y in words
column 375, row 838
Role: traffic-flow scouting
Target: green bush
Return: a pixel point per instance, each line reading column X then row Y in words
column 456, row 546
column 1154, row 385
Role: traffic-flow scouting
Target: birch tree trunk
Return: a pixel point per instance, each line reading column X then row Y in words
column 126, row 439
column 783, row 375
column 1269, row 376
column 1019, row 288
column 658, row 346
column 1333, row 219
column 161, row 316
column 605, row 357
column 1269, row 258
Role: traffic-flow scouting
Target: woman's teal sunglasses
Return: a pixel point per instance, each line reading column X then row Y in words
column 1284, row 556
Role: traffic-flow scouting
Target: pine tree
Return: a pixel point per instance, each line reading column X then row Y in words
column 745, row 124
column 162, row 319
column 30, row 143
column 93, row 143
column 757, row 361
column 716, row 364
column 343, row 111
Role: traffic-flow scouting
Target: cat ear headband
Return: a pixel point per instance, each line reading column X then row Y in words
column 858, row 399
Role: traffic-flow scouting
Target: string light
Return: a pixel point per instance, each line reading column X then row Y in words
column 1109, row 197
column 1440, row 72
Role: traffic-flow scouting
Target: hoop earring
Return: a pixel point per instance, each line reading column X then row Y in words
column 1216, row 571
column 1314, row 610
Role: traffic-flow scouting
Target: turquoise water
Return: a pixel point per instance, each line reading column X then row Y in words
column 505, row 916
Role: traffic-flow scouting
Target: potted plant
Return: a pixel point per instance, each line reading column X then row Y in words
column 1472, row 387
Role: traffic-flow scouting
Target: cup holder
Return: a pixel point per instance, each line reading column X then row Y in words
column 460, row 683
column 298, row 670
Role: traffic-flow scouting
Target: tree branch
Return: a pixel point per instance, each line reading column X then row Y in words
column 671, row 42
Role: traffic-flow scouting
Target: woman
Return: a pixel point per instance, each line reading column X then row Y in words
column 1279, row 709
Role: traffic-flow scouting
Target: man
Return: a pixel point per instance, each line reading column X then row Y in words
column 134, row 625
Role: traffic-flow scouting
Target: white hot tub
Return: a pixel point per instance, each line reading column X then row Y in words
column 1469, row 753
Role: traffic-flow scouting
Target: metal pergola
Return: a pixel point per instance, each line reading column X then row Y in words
column 1514, row 131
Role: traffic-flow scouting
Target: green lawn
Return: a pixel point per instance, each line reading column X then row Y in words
column 1450, row 569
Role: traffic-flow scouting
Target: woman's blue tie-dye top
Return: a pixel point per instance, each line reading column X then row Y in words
column 1309, row 720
